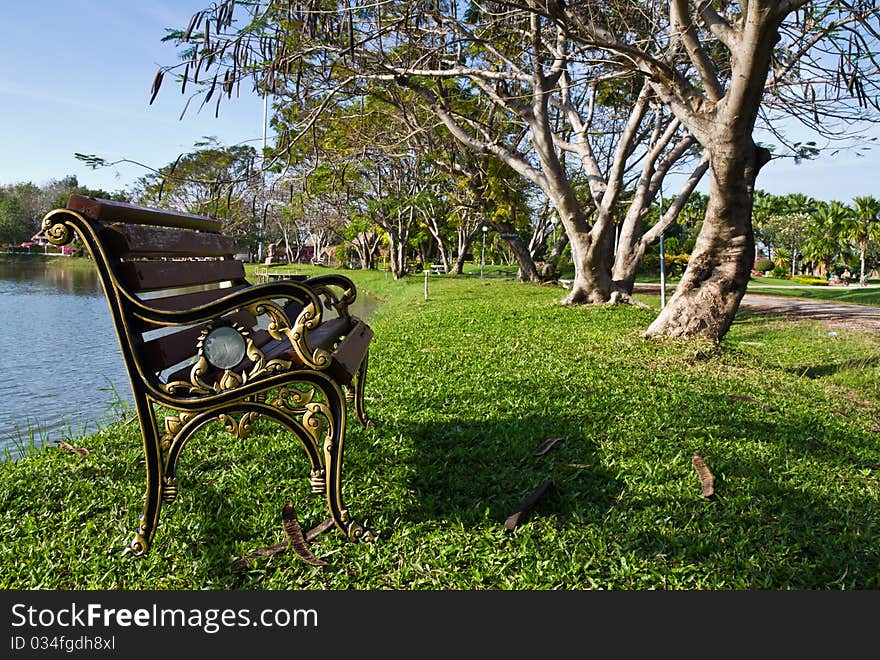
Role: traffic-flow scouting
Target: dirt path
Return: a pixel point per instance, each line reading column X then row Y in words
column 834, row 315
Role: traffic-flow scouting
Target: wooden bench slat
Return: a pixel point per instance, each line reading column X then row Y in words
column 138, row 241
column 182, row 302
column 109, row 211
column 350, row 353
column 140, row 276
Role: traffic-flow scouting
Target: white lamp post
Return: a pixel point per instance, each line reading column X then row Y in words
column 483, row 253
column 662, row 261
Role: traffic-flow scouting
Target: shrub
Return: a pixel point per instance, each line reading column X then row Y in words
column 813, row 281
column 763, row 265
column 780, row 272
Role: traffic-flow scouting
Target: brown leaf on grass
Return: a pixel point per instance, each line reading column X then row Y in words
column 296, row 538
column 875, row 427
column 841, row 413
column 66, row 446
column 262, row 552
column 320, row 528
column 545, row 446
column 707, row 481
column 514, row 518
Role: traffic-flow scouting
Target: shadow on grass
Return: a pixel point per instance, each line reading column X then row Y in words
column 474, row 472
column 793, row 505
column 831, row 368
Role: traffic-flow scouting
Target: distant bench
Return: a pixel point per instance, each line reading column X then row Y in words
column 198, row 339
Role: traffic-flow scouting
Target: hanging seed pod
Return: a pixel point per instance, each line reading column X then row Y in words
column 157, row 83
column 193, row 24
column 211, row 90
column 185, row 106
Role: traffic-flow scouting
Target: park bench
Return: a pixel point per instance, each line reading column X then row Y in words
column 201, row 344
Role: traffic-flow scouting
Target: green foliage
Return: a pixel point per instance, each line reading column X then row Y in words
column 763, row 265
column 463, row 387
column 780, row 271
column 806, row 279
column 23, row 205
column 14, row 221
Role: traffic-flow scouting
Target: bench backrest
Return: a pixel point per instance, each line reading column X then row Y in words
column 173, row 261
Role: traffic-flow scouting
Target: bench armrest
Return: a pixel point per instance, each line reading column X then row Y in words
column 258, row 299
column 337, row 291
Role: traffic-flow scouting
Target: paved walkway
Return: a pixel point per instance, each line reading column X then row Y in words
column 834, row 315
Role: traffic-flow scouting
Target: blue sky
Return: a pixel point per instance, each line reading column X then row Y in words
column 76, row 77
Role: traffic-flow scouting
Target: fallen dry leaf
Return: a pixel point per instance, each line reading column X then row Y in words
column 707, row 481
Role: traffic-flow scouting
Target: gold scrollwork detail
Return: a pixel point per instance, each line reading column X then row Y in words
column 201, row 373
column 279, row 328
column 314, row 413
column 293, row 399
column 318, row 479
column 357, row 532
column 239, row 428
column 173, row 425
column 57, row 233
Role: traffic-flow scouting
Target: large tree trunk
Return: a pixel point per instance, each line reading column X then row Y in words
column 591, row 254
column 708, row 296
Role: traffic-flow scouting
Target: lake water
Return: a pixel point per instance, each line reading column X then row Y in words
column 61, row 372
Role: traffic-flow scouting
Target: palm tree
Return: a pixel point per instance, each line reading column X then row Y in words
column 863, row 227
column 822, row 241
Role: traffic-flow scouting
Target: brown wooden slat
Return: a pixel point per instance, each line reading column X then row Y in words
column 166, row 351
column 137, row 241
column 106, row 210
column 139, row 276
column 184, row 301
column 350, row 353
column 190, row 300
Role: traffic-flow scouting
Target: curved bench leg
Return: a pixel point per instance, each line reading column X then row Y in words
column 358, row 386
column 149, row 520
column 333, row 449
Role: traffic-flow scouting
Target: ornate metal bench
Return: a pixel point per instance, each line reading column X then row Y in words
column 202, row 344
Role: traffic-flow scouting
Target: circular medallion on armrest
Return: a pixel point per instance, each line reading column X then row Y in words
column 224, row 347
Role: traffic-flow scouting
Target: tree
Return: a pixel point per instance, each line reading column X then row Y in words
column 542, row 67
column 219, row 181
column 25, row 204
column 713, row 64
column 822, row 241
column 863, row 227
column 783, row 221
column 510, row 84
column 14, row 220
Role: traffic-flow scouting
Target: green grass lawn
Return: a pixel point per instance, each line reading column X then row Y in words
column 464, row 386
